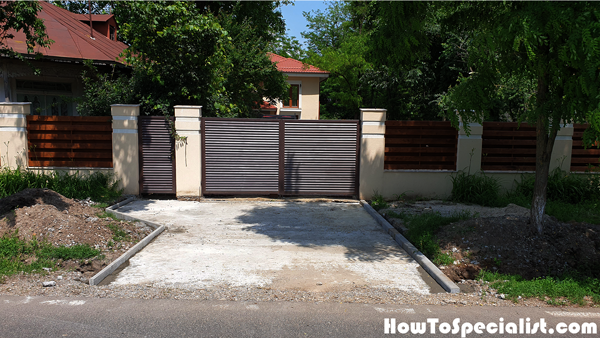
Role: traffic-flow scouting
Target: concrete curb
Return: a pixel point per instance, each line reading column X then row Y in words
column 431, row 269
column 158, row 229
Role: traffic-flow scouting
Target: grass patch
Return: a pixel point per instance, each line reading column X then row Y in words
column 475, row 189
column 17, row 255
column 98, row 186
column 106, row 214
column 422, row 229
column 118, row 233
column 378, row 202
column 571, row 287
column 571, row 197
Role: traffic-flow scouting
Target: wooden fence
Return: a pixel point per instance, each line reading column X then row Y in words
column 582, row 158
column 506, row 146
column 70, row 141
column 420, row 145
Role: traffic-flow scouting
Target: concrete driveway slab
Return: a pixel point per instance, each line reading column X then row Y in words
column 282, row 245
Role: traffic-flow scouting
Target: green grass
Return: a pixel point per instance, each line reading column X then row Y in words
column 421, row 232
column 475, row 189
column 15, row 253
column 572, row 288
column 378, row 202
column 118, row 233
column 98, row 186
column 571, row 197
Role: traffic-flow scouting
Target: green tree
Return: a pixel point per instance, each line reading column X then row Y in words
column 203, row 53
column 555, row 47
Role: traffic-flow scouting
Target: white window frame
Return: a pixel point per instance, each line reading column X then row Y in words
column 293, row 110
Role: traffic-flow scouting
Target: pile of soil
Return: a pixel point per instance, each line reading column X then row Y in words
column 507, row 243
column 49, row 216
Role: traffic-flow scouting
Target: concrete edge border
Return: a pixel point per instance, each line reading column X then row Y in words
column 418, row 256
column 158, row 229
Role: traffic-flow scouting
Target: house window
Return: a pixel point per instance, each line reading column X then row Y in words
column 113, row 35
column 294, row 97
column 47, row 98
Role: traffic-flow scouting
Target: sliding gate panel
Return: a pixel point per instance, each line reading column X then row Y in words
column 321, row 158
column 240, row 156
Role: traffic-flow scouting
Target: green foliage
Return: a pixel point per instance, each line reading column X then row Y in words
column 572, row 287
column 422, row 229
column 99, row 187
column 118, row 233
column 378, row 202
column 14, row 253
column 212, row 54
column 21, row 16
column 564, row 187
column 550, row 49
column 477, row 189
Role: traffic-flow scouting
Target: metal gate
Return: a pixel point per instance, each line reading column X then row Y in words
column 157, row 156
column 283, row 157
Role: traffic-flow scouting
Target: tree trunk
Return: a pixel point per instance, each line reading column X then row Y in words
column 545, row 137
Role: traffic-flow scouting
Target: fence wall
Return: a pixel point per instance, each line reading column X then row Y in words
column 71, row 144
column 70, row 141
column 415, row 158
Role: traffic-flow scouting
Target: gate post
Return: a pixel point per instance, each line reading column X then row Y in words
column 188, row 151
column 372, row 151
column 13, row 134
column 125, row 146
column 468, row 148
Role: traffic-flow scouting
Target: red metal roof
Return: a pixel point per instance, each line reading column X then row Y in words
column 287, row 65
column 71, row 38
column 95, row 17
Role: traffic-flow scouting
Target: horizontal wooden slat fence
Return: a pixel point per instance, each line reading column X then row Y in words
column 70, row 141
column 425, row 145
column 582, row 158
column 506, row 146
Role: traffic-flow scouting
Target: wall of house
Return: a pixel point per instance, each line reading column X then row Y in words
column 309, row 98
column 50, row 71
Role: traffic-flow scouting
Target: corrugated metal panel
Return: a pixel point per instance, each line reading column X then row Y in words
column 321, row 157
column 240, row 156
column 157, row 165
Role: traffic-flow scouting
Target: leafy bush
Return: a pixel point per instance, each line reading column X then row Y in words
column 378, row 202
column 476, row 189
column 98, row 186
column 564, row 187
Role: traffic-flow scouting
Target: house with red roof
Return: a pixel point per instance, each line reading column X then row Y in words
column 305, row 81
column 75, row 39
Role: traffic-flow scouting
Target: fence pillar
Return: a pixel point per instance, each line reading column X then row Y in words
column 13, row 134
column 563, row 148
column 372, row 151
column 125, row 147
column 188, row 151
column 468, row 149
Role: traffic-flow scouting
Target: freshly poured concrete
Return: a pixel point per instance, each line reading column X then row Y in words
column 283, row 245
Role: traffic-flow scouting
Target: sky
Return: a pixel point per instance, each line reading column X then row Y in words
column 294, row 20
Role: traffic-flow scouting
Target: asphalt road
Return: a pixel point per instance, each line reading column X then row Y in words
column 72, row 317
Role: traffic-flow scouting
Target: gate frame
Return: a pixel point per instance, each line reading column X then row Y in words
column 281, row 172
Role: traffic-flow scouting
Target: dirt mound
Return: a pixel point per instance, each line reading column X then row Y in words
column 49, row 216
column 501, row 239
column 511, row 245
column 29, row 197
